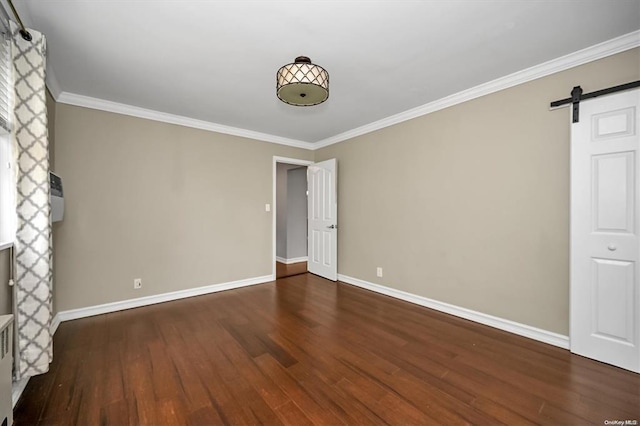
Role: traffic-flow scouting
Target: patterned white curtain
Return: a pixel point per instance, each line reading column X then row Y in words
column 33, row 248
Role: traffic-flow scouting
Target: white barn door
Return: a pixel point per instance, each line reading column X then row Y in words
column 323, row 211
column 605, row 219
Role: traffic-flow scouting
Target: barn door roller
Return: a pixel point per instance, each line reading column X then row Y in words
column 577, row 96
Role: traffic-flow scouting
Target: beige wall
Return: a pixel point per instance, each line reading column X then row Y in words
column 470, row 205
column 178, row 207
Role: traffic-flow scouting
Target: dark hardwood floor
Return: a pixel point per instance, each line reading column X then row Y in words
column 304, row 350
column 284, row 270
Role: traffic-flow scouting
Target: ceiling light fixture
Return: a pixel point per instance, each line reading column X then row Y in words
column 302, row 83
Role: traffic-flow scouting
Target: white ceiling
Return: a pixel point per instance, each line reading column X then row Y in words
column 216, row 60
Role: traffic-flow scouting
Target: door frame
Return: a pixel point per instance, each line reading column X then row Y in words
column 283, row 160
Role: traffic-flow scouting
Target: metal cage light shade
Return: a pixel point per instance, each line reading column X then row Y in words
column 302, row 83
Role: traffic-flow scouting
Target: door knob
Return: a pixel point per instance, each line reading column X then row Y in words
column 611, row 247
column 332, row 227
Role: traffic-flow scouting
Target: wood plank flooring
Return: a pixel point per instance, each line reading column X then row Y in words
column 284, row 270
column 303, row 350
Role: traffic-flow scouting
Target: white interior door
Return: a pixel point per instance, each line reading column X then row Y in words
column 605, row 294
column 323, row 219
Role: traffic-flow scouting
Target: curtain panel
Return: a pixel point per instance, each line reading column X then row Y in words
column 33, row 246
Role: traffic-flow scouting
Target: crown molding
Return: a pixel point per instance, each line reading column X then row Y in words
column 589, row 54
column 134, row 111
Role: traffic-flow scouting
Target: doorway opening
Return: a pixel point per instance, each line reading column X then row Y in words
column 290, row 217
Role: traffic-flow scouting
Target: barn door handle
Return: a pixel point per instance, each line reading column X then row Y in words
column 611, row 247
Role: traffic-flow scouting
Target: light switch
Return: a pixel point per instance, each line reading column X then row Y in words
column 267, row 207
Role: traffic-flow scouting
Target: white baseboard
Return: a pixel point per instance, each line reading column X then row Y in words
column 16, row 390
column 55, row 322
column 292, row 260
column 151, row 300
column 544, row 336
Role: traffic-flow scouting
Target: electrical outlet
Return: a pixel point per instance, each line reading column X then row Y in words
column 379, row 271
column 137, row 283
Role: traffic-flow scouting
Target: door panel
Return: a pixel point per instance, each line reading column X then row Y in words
column 314, row 254
column 613, row 300
column 605, row 247
column 327, row 244
column 613, row 192
column 613, row 124
column 323, row 209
